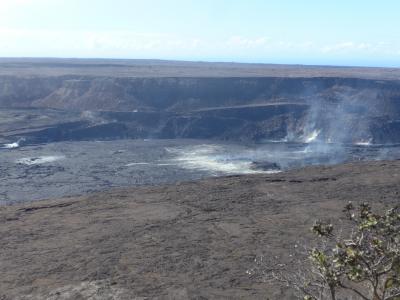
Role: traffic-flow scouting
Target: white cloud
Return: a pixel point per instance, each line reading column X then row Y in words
column 119, row 43
column 245, row 42
column 127, row 40
column 92, row 43
column 380, row 48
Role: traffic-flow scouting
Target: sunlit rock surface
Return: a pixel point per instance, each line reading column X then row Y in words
column 194, row 240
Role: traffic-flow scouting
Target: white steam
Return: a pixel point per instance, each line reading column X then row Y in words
column 312, row 137
column 39, row 160
column 136, row 164
column 364, row 142
column 13, row 145
column 215, row 159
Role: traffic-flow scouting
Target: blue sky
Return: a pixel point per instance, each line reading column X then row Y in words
column 352, row 32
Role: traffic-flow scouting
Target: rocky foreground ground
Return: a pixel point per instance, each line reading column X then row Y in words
column 193, row 240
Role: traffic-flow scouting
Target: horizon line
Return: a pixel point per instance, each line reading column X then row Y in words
column 205, row 61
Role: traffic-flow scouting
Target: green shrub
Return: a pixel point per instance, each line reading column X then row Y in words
column 363, row 265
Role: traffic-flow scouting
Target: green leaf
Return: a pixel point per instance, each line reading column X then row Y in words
column 389, row 283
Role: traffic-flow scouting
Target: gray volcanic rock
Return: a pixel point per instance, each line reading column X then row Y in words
column 265, row 166
column 193, row 240
column 161, row 99
column 181, row 94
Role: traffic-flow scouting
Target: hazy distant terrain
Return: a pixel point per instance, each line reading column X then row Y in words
column 162, row 68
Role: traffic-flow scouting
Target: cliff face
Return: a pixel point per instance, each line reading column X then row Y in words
column 187, row 94
column 255, row 108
